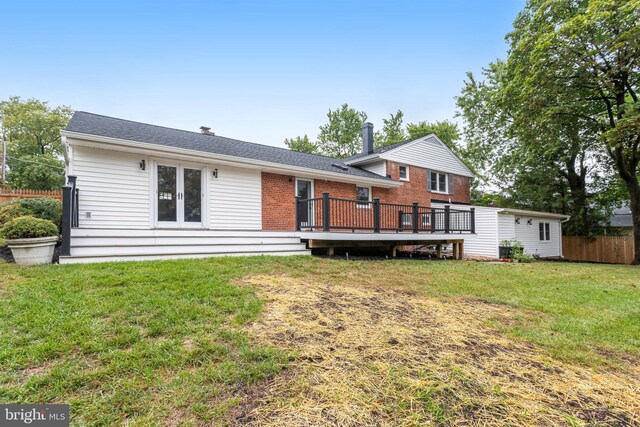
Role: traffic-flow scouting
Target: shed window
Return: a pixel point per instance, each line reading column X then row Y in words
column 545, row 231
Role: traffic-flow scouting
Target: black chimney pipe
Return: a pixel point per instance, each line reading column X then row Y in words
column 367, row 138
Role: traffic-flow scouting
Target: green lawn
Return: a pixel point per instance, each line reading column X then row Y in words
column 157, row 342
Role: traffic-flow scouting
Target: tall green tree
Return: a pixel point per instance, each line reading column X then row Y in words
column 392, row 130
column 558, row 166
column 445, row 130
column 579, row 61
column 34, row 148
column 301, row 143
column 342, row 135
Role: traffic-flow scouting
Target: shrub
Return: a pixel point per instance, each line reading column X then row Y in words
column 12, row 211
column 26, row 227
column 39, row 207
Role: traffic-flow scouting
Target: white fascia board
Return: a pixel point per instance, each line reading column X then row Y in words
column 535, row 214
column 364, row 160
column 93, row 141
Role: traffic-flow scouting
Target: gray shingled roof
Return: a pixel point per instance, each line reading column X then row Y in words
column 95, row 124
column 621, row 217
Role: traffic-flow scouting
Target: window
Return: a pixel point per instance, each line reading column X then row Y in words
column 545, row 231
column 438, row 182
column 407, row 220
column 363, row 196
column 426, row 220
column 404, row 172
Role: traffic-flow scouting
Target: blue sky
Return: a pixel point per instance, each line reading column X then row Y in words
column 260, row 71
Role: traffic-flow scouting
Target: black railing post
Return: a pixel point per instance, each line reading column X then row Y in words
column 447, row 218
column 414, row 216
column 472, row 218
column 326, row 220
column 297, row 206
column 434, row 218
column 67, row 199
column 376, row 214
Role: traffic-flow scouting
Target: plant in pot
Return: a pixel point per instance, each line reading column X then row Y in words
column 509, row 248
column 31, row 240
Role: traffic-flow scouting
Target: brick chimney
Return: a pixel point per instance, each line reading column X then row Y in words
column 206, row 131
column 367, row 138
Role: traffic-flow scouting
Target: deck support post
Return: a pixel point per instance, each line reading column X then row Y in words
column 439, row 250
column 326, row 211
column 461, row 250
column 455, row 251
column 394, row 251
column 331, row 251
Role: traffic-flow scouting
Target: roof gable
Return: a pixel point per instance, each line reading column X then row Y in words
column 428, row 152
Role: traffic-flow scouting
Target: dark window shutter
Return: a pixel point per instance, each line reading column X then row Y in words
column 450, row 183
column 541, row 228
column 428, row 180
column 548, row 232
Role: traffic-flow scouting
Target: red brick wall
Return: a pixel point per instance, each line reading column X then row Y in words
column 278, row 192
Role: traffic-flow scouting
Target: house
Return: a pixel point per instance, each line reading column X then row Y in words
column 138, row 191
column 620, row 222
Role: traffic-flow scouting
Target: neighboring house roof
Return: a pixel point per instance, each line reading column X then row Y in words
column 621, row 217
column 110, row 127
column 438, row 156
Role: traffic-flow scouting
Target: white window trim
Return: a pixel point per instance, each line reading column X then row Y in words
column 358, row 204
column 446, row 182
column 547, row 236
column 313, row 190
column 407, row 169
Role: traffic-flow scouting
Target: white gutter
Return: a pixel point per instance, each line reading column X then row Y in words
column 229, row 160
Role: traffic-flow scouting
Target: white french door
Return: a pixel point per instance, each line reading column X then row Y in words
column 179, row 196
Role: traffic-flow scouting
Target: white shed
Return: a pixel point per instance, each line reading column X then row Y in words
column 539, row 232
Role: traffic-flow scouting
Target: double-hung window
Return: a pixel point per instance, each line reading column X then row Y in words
column 404, row 172
column 439, row 182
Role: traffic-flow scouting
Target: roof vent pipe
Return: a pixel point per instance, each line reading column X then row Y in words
column 367, row 138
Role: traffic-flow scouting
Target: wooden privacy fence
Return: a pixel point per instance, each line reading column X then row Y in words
column 7, row 194
column 607, row 249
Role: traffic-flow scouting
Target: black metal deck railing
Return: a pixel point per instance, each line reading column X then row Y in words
column 335, row 214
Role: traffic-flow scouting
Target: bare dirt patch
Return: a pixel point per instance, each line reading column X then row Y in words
column 373, row 356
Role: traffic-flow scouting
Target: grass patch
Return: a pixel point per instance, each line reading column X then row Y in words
column 177, row 342
column 135, row 342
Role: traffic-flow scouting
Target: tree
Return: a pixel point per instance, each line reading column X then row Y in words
column 578, row 61
column 34, row 149
column 392, row 131
column 556, row 166
column 342, row 135
column 302, row 144
column 445, row 130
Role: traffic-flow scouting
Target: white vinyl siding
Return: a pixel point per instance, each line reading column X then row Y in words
column 529, row 236
column 235, row 199
column 379, row 167
column 485, row 241
column 506, row 227
column 428, row 153
column 112, row 189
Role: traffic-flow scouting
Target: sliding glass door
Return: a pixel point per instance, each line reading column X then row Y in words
column 179, row 196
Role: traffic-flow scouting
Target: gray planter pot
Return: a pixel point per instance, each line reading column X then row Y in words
column 33, row 251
